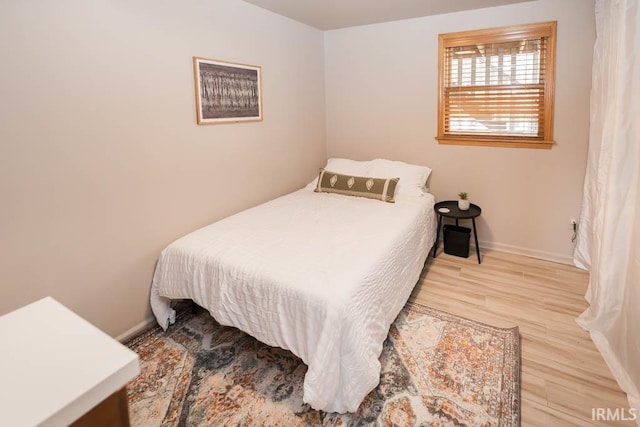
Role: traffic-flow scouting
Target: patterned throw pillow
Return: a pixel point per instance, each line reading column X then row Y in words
column 372, row 188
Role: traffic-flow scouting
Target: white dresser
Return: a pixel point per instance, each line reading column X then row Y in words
column 56, row 369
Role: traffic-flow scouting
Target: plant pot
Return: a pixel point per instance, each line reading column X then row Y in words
column 464, row 205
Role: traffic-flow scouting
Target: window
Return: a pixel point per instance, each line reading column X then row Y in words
column 496, row 86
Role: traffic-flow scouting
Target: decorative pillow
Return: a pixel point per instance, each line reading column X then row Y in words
column 413, row 178
column 344, row 166
column 372, row 188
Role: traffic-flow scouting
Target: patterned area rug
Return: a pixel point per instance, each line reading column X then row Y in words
column 437, row 369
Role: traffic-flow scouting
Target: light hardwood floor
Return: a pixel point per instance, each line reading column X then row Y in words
column 563, row 375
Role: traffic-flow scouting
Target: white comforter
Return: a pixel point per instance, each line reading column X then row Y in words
column 322, row 275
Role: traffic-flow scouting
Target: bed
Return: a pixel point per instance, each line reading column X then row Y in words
column 320, row 274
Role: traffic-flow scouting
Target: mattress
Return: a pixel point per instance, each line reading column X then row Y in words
column 322, row 275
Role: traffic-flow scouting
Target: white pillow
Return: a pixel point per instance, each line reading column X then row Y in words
column 348, row 166
column 413, row 178
column 345, row 167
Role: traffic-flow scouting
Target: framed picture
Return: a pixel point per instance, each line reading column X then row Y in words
column 227, row 92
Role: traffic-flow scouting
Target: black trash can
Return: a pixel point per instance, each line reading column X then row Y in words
column 456, row 240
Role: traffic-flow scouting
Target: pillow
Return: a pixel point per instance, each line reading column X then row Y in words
column 344, row 166
column 348, row 166
column 413, row 178
column 350, row 185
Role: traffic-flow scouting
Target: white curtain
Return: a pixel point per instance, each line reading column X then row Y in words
column 609, row 228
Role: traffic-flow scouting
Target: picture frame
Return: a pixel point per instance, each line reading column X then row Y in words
column 227, row 92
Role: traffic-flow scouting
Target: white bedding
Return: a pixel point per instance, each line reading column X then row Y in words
column 322, row 275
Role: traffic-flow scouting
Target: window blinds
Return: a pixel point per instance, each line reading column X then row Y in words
column 496, row 89
column 496, row 86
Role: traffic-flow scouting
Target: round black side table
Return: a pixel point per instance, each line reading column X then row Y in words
column 455, row 213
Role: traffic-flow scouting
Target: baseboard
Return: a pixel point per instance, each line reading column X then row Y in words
column 137, row 329
column 534, row 253
column 518, row 250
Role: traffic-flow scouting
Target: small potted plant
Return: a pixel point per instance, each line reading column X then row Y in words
column 463, row 201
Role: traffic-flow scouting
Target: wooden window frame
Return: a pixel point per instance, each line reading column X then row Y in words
column 497, row 35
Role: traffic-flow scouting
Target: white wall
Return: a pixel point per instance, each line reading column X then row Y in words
column 101, row 162
column 381, row 91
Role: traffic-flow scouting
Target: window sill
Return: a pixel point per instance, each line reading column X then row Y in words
column 509, row 143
